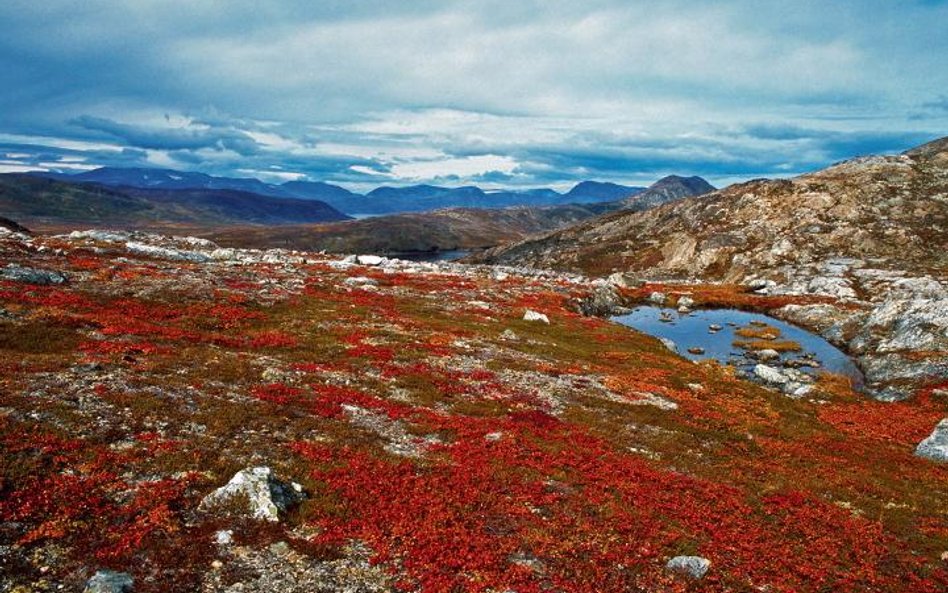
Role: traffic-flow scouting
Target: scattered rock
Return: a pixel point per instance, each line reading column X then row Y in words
column 258, row 491
column 658, row 298
column 108, row 581
column 26, row 275
column 686, row 301
column 603, row 302
column 360, row 281
column 935, row 447
column 534, row 316
column 625, row 280
column 224, row 537
column 670, row 344
column 369, row 260
column 692, row 567
column 767, row 354
column 508, row 334
column 696, row 350
column 770, row 375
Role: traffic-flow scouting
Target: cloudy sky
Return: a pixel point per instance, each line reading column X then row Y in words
column 499, row 93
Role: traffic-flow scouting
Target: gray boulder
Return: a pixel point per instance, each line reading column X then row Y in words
column 108, row 581
column 935, row 447
column 692, row 567
column 26, row 275
column 260, row 494
column 603, row 301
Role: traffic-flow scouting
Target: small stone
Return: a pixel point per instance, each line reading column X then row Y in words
column 217, row 564
column 109, row 581
column 692, row 567
column 686, row 301
column 534, row 316
column 360, row 281
column 509, row 335
column 696, row 350
column 670, row 344
column 767, row 354
column 224, row 537
column 715, row 327
column 279, row 548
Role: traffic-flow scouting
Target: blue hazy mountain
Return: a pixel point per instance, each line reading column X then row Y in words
column 382, row 200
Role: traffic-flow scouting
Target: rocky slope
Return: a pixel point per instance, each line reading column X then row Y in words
column 871, row 232
column 177, row 416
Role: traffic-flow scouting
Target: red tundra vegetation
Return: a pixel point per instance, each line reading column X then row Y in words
column 575, row 456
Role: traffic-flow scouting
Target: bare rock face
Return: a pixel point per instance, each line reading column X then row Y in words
column 258, row 492
column 935, row 447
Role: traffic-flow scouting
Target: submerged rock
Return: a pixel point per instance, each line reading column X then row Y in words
column 692, row 567
column 260, row 494
column 108, row 581
column 935, row 447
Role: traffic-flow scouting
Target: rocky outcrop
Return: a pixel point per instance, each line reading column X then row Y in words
column 935, row 447
column 255, row 492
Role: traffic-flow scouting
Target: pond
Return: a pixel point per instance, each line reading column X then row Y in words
column 712, row 333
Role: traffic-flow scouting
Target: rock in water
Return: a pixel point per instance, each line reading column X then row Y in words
column 534, row 316
column 603, row 301
column 108, row 581
column 258, row 491
column 693, row 567
column 935, row 447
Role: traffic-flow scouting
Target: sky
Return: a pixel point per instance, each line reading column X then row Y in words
column 495, row 93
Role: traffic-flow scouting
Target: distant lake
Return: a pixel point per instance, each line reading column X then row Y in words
column 691, row 330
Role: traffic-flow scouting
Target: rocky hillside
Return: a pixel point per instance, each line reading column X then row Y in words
column 871, row 232
column 176, row 416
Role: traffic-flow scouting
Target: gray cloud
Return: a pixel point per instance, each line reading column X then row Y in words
column 605, row 89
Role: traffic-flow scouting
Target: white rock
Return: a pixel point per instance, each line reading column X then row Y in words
column 693, row 567
column 935, row 447
column 360, row 281
column 534, row 316
column 767, row 354
column 224, row 537
column 369, row 260
column 165, row 253
column 657, row 297
column 770, row 374
column 686, row 301
column 265, row 496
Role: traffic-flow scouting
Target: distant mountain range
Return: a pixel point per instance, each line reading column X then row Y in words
column 383, row 200
column 50, row 202
column 467, row 229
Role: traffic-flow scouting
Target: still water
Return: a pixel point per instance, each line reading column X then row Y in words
column 692, row 330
